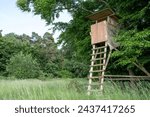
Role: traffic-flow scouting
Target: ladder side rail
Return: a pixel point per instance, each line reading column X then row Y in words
column 91, row 73
column 103, row 72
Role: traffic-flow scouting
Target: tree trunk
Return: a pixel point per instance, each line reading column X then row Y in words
column 131, row 73
column 132, row 82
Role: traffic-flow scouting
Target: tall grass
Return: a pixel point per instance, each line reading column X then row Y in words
column 68, row 89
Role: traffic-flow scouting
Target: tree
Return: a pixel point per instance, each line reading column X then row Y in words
column 23, row 66
column 1, row 33
column 48, row 9
column 10, row 44
column 44, row 49
column 134, row 35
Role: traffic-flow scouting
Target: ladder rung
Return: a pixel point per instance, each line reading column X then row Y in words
column 97, row 59
column 98, row 53
column 99, row 48
column 97, row 65
column 96, row 77
column 96, row 84
column 94, row 90
column 122, row 79
column 97, row 71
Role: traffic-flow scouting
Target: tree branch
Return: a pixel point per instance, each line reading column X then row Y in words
column 104, row 3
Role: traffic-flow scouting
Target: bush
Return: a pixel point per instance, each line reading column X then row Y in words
column 23, row 66
column 65, row 74
column 80, row 70
column 51, row 68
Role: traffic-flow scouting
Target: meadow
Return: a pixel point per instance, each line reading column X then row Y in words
column 69, row 89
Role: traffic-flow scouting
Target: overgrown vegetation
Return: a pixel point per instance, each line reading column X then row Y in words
column 62, row 89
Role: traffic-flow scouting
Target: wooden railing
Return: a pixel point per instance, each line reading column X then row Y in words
column 125, row 77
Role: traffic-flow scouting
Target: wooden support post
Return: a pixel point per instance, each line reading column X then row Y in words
column 91, row 73
column 108, row 58
column 103, row 68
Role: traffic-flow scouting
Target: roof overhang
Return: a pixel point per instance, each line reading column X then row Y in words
column 103, row 14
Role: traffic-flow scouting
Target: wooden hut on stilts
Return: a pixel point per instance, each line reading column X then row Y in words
column 102, row 31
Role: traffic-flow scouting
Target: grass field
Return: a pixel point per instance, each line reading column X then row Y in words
column 68, row 89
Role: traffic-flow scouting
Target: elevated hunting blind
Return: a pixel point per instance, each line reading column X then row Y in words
column 102, row 32
column 105, row 27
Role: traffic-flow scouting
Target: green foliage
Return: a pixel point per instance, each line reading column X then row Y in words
column 134, row 14
column 23, row 4
column 23, row 67
column 47, row 55
column 51, row 68
column 43, row 49
column 133, row 45
column 64, row 74
column 77, row 68
column 134, row 36
column 10, row 45
column 48, row 9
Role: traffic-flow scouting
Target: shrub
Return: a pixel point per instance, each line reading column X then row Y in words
column 51, row 68
column 65, row 74
column 79, row 69
column 23, row 66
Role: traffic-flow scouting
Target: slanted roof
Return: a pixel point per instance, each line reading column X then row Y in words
column 102, row 14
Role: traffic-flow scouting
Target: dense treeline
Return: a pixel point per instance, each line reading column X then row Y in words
column 24, row 57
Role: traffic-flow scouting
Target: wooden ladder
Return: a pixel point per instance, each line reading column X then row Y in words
column 97, row 68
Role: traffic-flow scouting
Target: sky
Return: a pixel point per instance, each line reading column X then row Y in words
column 12, row 19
